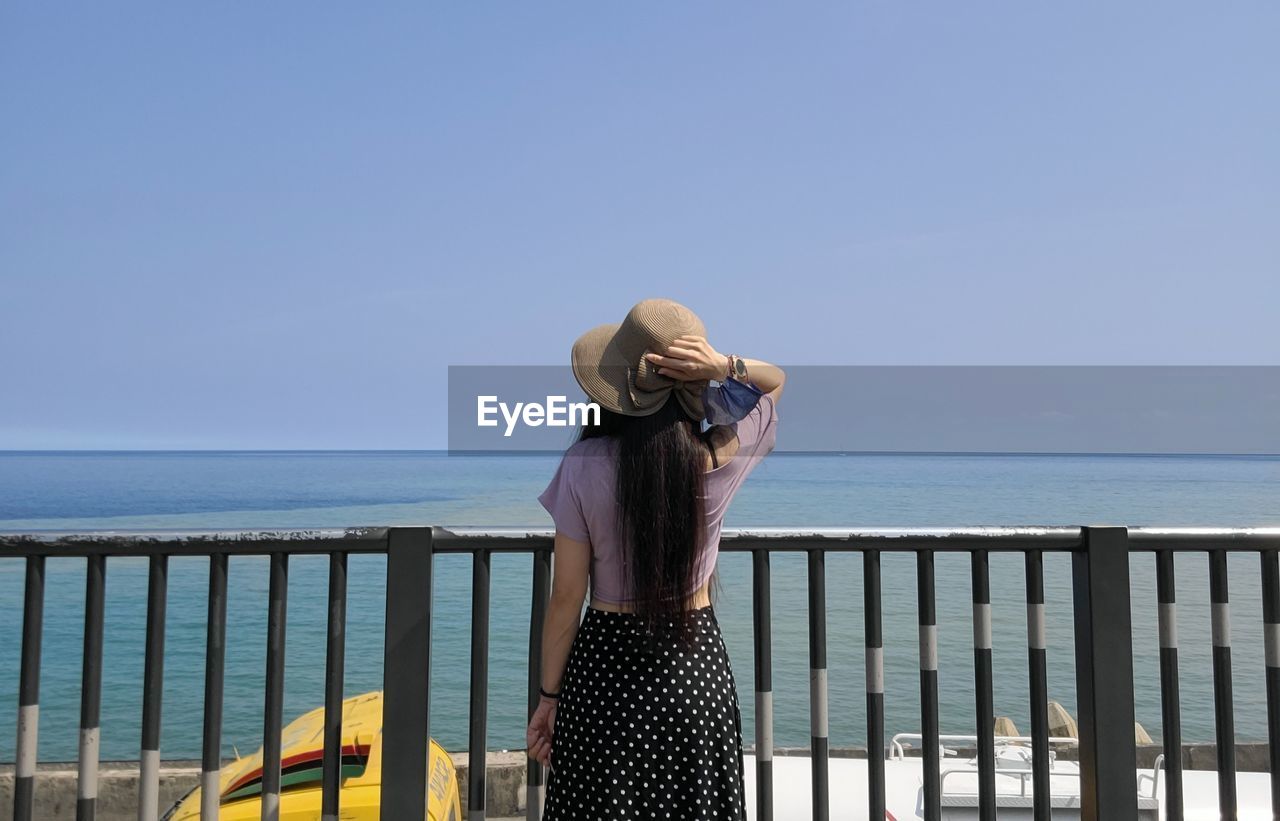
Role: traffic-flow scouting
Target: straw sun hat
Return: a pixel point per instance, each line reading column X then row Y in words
column 609, row 362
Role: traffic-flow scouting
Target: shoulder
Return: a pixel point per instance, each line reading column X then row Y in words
column 589, row 456
column 595, row 446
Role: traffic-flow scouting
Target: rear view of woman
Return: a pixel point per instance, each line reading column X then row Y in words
column 639, row 715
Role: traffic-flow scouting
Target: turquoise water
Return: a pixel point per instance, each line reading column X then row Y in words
column 237, row 490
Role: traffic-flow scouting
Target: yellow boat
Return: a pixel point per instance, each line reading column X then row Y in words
column 302, row 750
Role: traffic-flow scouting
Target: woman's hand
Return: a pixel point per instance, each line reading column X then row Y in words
column 541, row 729
column 690, row 358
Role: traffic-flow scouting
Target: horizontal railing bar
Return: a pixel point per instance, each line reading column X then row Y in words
column 1204, row 538
column 833, row 539
column 494, row 540
column 527, row 540
column 194, row 543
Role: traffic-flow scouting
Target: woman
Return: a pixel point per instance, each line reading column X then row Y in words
column 639, row 713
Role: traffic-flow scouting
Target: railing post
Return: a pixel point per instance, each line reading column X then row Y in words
column 535, row 789
column 407, row 674
column 820, row 744
column 334, row 673
column 931, row 769
column 215, row 656
column 762, row 631
column 1104, row 675
column 1038, row 666
column 273, row 701
column 153, row 691
column 1223, row 710
column 983, row 688
column 24, row 770
column 91, row 690
column 1170, row 708
column 875, row 683
column 477, row 735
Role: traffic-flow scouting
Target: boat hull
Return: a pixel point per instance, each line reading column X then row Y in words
column 302, row 742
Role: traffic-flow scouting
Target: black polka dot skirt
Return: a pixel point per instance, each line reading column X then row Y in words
column 645, row 729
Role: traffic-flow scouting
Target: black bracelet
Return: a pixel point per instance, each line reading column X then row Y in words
column 545, row 694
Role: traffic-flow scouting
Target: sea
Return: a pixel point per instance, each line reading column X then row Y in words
column 144, row 490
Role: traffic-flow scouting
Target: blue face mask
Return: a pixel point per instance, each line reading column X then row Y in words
column 730, row 401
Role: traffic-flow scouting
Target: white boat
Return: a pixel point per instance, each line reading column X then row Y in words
column 904, row 792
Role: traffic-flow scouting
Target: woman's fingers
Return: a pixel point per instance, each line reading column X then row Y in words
column 540, row 748
column 677, row 353
column 666, row 361
column 684, row 363
column 673, row 363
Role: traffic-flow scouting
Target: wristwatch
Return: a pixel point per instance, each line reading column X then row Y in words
column 737, row 368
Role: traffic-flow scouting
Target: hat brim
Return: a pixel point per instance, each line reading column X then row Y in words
column 600, row 369
column 603, row 372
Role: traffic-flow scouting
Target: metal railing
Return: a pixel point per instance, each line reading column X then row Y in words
column 1103, row 655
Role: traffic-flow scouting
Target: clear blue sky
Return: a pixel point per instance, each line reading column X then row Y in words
column 273, row 225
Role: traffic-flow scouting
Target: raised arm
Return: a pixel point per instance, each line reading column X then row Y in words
column 692, row 357
column 768, row 378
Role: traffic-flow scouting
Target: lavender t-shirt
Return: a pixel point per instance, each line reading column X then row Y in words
column 581, row 498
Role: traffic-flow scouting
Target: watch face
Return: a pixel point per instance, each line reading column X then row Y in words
column 739, row 367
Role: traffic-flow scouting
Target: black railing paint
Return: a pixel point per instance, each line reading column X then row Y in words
column 1170, row 706
column 29, row 691
column 875, row 683
column 479, row 699
column 215, row 654
column 929, row 729
column 334, row 670
column 153, row 691
column 273, row 712
column 762, row 620
column 1100, row 579
column 1104, row 675
column 1037, row 662
column 91, row 689
column 406, row 670
column 819, row 745
column 1223, row 714
column 983, row 690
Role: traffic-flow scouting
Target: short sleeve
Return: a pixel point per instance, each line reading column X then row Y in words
column 562, row 502
column 758, row 430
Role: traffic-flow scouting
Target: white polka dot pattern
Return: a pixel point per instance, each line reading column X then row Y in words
column 645, row 729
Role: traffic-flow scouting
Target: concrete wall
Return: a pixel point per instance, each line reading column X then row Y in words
column 1250, row 756
column 504, row 788
column 118, row 787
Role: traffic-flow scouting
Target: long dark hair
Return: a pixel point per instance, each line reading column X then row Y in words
column 661, row 464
